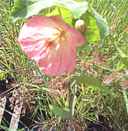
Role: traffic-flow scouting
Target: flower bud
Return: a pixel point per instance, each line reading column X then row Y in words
column 80, row 25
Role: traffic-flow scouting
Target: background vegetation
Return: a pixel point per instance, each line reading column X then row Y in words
column 98, row 87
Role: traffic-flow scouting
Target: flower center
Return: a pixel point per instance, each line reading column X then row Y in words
column 59, row 35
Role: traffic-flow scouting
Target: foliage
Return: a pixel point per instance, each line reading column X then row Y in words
column 77, row 9
column 93, row 96
column 70, row 11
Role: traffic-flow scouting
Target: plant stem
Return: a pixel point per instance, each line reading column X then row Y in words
column 125, row 99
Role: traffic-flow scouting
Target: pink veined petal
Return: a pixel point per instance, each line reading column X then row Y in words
column 34, row 26
column 45, row 21
column 59, row 62
column 75, row 38
column 31, row 46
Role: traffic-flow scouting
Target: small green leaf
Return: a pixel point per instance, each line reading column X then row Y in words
column 92, row 32
column 125, row 99
column 88, row 80
column 60, row 112
column 125, row 61
column 102, row 24
column 121, row 53
column 3, row 75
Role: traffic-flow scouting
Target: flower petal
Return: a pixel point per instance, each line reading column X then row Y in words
column 58, row 62
column 75, row 38
column 53, row 51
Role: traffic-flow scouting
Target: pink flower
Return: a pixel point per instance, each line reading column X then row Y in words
column 51, row 43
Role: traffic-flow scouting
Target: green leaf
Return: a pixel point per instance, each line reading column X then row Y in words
column 120, row 66
column 121, row 52
column 77, row 8
column 93, row 84
column 102, row 24
column 92, row 32
column 3, row 75
column 123, row 55
column 60, row 112
column 60, row 11
column 125, row 99
column 88, row 80
column 125, row 61
column 20, row 9
column 35, row 8
column 27, row 8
